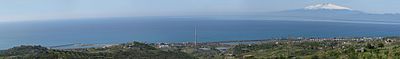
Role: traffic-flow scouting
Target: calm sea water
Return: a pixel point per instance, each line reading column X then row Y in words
column 120, row 30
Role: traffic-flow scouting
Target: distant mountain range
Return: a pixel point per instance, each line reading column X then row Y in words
column 322, row 12
column 326, row 9
column 329, row 11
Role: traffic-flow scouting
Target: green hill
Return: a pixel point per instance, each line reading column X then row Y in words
column 324, row 49
column 134, row 50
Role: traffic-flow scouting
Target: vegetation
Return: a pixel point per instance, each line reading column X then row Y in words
column 385, row 48
column 324, row 49
column 212, row 53
column 134, row 50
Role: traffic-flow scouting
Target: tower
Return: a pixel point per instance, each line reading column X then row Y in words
column 195, row 35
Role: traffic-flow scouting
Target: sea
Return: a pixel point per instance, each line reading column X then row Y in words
column 165, row 29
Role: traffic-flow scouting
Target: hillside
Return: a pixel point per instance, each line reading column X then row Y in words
column 321, row 49
column 134, row 50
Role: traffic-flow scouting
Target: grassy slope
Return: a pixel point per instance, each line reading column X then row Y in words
column 325, row 49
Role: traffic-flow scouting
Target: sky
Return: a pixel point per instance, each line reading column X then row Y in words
column 27, row 10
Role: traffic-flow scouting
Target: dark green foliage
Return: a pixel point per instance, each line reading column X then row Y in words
column 37, row 52
column 134, row 50
column 370, row 46
column 315, row 57
column 207, row 54
column 381, row 45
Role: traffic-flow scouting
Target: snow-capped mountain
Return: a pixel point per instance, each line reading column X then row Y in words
column 329, row 6
column 328, row 11
column 322, row 9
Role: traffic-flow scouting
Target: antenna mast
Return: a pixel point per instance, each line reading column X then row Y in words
column 195, row 35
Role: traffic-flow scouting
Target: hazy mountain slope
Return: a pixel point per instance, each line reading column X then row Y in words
column 330, row 12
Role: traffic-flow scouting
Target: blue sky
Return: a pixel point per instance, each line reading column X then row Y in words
column 24, row 10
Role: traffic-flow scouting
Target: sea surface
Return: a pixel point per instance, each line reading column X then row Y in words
column 120, row 30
